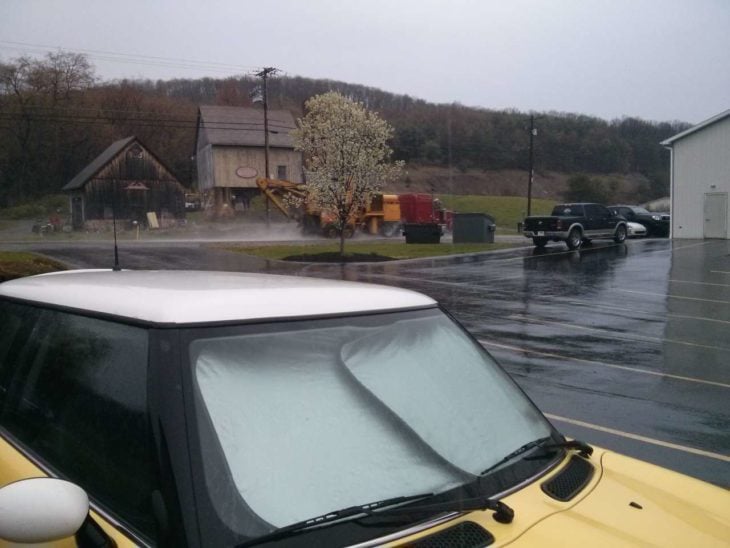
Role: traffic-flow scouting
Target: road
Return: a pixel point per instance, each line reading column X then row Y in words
column 624, row 346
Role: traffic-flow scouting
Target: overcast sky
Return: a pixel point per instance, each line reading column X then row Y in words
column 655, row 59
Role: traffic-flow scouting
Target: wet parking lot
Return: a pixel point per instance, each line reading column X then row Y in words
column 624, row 346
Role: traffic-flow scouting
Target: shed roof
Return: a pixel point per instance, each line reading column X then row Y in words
column 97, row 164
column 244, row 126
column 669, row 142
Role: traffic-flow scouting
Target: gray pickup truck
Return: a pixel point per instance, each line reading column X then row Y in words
column 575, row 224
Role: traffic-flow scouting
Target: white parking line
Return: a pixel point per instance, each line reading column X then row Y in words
column 593, row 304
column 673, row 296
column 670, row 249
column 464, row 285
column 614, row 334
column 602, row 364
column 697, row 283
column 637, row 437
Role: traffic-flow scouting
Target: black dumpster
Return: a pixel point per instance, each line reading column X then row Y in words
column 473, row 228
column 422, row 233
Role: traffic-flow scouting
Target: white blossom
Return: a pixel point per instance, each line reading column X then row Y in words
column 347, row 158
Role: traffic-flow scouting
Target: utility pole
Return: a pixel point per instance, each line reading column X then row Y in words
column 264, row 74
column 533, row 132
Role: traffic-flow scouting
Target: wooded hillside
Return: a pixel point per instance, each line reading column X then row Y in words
column 55, row 117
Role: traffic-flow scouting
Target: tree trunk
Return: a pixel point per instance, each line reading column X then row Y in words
column 342, row 242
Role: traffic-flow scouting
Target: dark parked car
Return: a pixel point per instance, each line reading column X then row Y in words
column 657, row 224
column 575, row 224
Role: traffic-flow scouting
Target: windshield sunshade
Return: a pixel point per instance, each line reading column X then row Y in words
column 321, row 418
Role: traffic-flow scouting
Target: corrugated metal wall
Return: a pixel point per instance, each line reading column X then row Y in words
column 700, row 166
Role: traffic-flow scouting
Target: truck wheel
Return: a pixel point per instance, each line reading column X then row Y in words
column 539, row 242
column 575, row 238
column 389, row 229
column 620, row 234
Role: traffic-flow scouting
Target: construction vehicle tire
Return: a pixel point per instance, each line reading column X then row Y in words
column 389, row 229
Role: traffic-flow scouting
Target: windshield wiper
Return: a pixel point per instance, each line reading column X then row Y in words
column 584, row 450
column 516, row 453
column 502, row 512
column 331, row 517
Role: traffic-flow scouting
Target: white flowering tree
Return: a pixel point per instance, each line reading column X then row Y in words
column 347, row 157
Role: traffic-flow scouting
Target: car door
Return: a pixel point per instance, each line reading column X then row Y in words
column 592, row 222
column 628, row 214
column 73, row 406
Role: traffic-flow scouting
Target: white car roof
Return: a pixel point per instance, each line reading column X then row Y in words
column 183, row 297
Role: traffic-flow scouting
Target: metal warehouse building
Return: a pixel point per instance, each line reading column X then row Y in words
column 700, row 179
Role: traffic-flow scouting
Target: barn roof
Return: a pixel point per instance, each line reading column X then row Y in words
column 97, row 164
column 243, row 126
column 669, row 142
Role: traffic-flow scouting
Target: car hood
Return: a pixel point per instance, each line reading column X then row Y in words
column 626, row 503
column 635, row 503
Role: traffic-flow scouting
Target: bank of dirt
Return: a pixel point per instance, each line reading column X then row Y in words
column 505, row 182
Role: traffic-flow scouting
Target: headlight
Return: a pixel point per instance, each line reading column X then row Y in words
column 656, row 217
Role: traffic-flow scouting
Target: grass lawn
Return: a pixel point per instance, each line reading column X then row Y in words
column 387, row 250
column 18, row 264
column 506, row 210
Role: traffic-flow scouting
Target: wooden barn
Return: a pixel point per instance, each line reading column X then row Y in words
column 230, row 152
column 126, row 180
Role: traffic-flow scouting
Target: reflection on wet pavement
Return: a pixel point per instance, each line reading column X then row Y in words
column 630, row 337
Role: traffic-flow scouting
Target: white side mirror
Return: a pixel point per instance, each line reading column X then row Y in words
column 41, row 510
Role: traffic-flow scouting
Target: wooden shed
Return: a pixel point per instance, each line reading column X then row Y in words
column 230, row 152
column 127, row 181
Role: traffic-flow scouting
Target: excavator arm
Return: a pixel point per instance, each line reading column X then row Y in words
column 276, row 189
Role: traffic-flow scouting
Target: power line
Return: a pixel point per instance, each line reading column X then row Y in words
column 167, row 123
column 133, row 58
column 106, row 110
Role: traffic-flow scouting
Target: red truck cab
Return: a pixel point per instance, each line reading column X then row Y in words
column 424, row 209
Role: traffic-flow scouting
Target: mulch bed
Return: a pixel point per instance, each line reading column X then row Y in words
column 335, row 257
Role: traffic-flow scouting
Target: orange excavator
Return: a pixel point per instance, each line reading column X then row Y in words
column 382, row 216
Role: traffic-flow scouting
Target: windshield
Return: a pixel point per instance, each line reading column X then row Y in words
column 320, row 415
column 568, row 210
column 640, row 210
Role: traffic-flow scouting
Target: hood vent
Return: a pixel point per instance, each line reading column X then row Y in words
column 570, row 481
column 466, row 534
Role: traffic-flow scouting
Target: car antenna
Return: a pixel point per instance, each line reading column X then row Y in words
column 116, row 267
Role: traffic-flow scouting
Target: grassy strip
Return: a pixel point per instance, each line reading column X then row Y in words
column 392, row 250
column 506, row 210
column 18, row 264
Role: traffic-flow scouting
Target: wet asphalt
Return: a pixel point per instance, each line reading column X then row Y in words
column 625, row 346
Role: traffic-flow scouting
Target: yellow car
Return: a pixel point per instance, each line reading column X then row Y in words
column 219, row 409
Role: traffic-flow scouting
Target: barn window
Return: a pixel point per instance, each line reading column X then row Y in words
column 135, row 162
column 135, row 152
column 281, row 172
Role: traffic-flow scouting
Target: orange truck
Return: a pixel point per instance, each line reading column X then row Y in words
column 385, row 215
